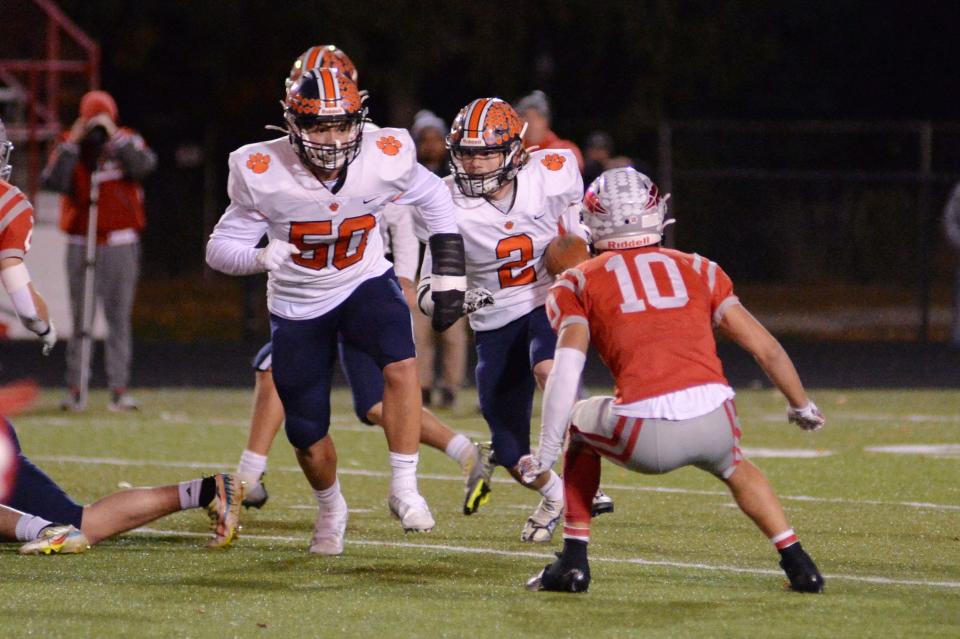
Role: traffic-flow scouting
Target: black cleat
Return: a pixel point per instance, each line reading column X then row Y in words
column 561, row 576
column 801, row 571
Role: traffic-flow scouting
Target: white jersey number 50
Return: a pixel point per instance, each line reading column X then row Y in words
column 643, row 261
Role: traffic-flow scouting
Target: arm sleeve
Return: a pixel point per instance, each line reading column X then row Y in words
column 232, row 246
column 432, row 198
column 58, row 174
column 559, row 396
column 137, row 159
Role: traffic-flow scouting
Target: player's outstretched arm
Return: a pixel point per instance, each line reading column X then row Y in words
column 743, row 328
column 27, row 302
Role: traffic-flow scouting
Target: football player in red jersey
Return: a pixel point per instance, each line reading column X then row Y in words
column 16, row 228
column 650, row 312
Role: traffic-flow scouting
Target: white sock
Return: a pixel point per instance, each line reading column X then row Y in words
column 189, row 493
column 29, row 527
column 553, row 489
column 251, row 466
column 404, row 475
column 328, row 497
column 460, row 449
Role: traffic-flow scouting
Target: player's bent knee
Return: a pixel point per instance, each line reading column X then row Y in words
column 401, row 373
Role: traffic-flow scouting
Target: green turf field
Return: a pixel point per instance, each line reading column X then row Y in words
column 675, row 559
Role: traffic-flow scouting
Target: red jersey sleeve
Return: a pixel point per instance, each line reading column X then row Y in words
column 564, row 304
column 16, row 222
column 719, row 285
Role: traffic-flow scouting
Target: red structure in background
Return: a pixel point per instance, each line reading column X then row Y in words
column 38, row 83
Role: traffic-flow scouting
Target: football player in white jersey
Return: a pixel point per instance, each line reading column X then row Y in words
column 317, row 193
column 510, row 205
column 362, row 372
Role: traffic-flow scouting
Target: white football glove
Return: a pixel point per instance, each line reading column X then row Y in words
column 530, row 468
column 275, row 253
column 475, row 299
column 49, row 339
column 808, row 418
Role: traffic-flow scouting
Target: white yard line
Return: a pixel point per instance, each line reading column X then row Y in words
column 211, row 466
column 541, row 555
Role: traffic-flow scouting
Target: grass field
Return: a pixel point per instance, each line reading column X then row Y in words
column 675, row 559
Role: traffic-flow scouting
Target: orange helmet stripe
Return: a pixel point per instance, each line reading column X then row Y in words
column 330, row 88
column 311, row 58
column 475, row 118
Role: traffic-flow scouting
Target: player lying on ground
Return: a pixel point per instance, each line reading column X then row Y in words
column 57, row 524
column 510, row 205
column 650, row 311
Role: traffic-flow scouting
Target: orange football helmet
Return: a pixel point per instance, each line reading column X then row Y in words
column 319, row 57
column 324, row 100
column 486, row 125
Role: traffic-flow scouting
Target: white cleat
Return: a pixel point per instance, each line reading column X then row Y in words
column 541, row 524
column 329, row 529
column 412, row 511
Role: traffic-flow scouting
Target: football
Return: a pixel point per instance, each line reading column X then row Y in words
column 563, row 252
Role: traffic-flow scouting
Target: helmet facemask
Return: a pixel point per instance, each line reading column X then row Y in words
column 484, row 184
column 324, row 100
column 326, row 156
column 6, row 150
column 6, row 169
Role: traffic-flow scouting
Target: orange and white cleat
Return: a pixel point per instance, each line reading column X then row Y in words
column 57, row 540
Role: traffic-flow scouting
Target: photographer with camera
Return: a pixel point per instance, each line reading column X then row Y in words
column 119, row 159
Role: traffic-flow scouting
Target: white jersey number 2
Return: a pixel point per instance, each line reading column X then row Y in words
column 644, row 261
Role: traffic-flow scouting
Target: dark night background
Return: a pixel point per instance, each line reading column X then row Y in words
column 202, row 78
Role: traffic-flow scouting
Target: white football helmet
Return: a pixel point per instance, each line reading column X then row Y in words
column 623, row 210
column 6, row 149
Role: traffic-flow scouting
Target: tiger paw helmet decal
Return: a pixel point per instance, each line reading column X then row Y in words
column 553, row 161
column 389, row 145
column 258, row 162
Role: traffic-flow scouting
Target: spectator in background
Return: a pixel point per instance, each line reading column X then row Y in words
column 535, row 111
column 95, row 142
column 599, row 153
column 429, row 133
column 951, row 224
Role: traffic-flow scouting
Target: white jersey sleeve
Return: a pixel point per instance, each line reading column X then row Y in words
column 404, row 245
column 231, row 248
column 430, row 195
